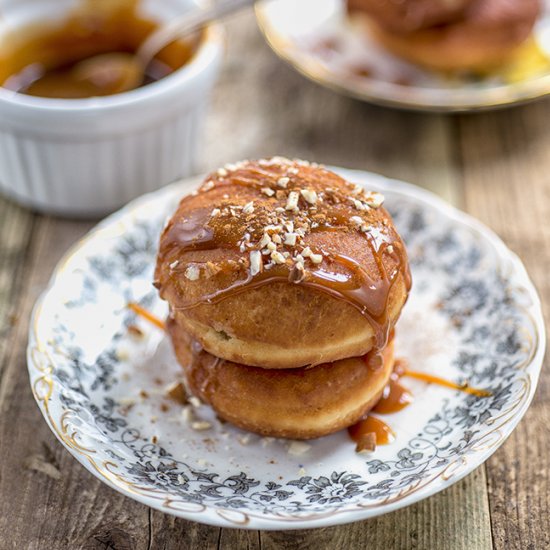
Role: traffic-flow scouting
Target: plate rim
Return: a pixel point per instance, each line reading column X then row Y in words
column 210, row 514
column 500, row 96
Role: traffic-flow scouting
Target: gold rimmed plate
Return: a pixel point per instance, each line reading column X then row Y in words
column 319, row 40
column 473, row 314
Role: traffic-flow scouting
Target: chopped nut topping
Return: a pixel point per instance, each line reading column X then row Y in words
column 356, row 220
column 374, row 200
column 316, row 258
column 283, row 182
column 135, row 331
column 290, row 239
column 195, row 401
column 277, row 257
column 248, row 208
column 244, row 439
column 215, row 212
column 222, row 172
column 309, row 196
column 264, row 241
column 255, row 262
column 201, row 425
column 187, row 413
column 173, row 265
column 306, row 252
column 177, row 392
column 366, row 444
column 390, row 249
column 192, row 272
column 268, row 191
column 297, row 448
column 276, row 239
column 292, row 201
column 358, row 204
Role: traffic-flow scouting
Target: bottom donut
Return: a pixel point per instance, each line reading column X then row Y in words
column 300, row 403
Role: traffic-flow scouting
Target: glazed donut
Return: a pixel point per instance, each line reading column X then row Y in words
column 409, row 15
column 484, row 37
column 283, row 264
column 299, row 403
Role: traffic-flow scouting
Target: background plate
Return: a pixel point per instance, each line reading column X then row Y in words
column 316, row 37
column 473, row 313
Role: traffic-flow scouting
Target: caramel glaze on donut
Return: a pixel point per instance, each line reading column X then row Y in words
column 282, row 264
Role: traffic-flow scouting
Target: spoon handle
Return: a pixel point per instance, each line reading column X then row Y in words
column 193, row 20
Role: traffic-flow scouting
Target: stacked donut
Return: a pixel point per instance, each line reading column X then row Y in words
column 450, row 35
column 284, row 283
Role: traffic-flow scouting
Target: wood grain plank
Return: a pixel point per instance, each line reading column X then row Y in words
column 169, row 532
column 15, row 232
column 431, row 524
column 48, row 499
column 506, row 164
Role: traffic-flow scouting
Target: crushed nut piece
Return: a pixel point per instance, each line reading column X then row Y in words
column 187, row 413
column 277, row 257
column 283, row 182
column 201, row 425
column 309, row 196
column 244, row 439
column 366, row 444
column 135, row 331
column 193, row 272
column 267, row 191
column 375, row 200
column 177, row 392
column 255, row 262
column 297, row 448
column 292, row 201
column 248, row 208
column 290, row 239
column 195, row 401
column 316, row 258
column 264, row 241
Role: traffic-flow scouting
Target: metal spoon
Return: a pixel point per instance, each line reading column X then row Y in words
column 118, row 72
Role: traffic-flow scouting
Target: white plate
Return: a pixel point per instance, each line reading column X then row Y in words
column 473, row 313
column 316, row 37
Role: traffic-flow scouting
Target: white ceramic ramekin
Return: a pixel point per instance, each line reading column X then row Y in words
column 86, row 157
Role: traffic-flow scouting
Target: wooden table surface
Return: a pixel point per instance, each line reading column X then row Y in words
column 494, row 165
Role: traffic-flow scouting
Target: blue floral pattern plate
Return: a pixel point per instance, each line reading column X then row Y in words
column 100, row 377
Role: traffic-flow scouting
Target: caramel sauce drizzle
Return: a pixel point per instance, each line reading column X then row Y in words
column 370, row 424
column 366, row 294
column 432, row 379
column 396, row 397
column 142, row 312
